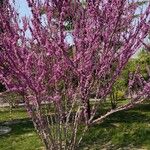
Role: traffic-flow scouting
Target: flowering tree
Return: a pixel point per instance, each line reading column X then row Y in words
column 56, row 79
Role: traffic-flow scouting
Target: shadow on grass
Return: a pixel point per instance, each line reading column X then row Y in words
column 21, row 137
column 112, row 138
column 143, row 107
column 128, row 117
column 22, row 127
column 122, row 130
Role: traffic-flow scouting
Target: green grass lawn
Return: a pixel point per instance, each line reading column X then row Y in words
column 126, row 130
column 15, row 113
column 123, row 130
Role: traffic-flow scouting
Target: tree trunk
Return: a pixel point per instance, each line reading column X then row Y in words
column 86, row 113
column 88, row 109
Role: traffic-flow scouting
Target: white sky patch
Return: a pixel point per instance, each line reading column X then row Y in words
column 69, row 38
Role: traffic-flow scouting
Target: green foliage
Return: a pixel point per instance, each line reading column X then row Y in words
column 144, row 57
column 141, row 3
column 143, row 61
column 121, row 85
column 68, row 24
column 121, row 94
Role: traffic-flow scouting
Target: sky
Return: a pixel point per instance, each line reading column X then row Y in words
column 24, row 10
column 22, row 7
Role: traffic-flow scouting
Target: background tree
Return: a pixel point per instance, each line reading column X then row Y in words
column 56, row 81
column 144, row 62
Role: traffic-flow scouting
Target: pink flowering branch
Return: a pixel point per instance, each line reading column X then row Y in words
column 56, row 79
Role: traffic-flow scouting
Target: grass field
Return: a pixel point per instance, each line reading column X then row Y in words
column 126, row 130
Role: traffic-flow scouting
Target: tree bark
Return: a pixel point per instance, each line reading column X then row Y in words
column 88, row 109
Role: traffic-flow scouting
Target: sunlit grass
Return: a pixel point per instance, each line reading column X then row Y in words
column 7, row 114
